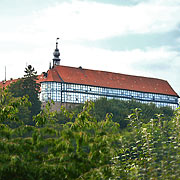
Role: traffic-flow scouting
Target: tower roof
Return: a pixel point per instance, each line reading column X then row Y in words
column 56, row 54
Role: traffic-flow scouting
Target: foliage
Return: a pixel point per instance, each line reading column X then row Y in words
column 153, row 152
column 85, row 148
column 9, row 106
column 82, row 149
column 27, row 86
column 120, row 110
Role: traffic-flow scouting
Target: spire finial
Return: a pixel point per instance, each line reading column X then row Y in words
column 57, row 43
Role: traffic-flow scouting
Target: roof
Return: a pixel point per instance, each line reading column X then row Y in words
column 108, row 79
column 4, row 84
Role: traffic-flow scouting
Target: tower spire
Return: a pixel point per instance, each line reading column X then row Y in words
column 57, row 43
column 56, row 59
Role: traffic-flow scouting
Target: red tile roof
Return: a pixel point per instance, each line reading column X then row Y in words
column 109, row 79
column 103, row 79
column 4, row 84
column 8, row 82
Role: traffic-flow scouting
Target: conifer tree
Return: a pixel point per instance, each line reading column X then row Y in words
column 28, row 86
column 31, row 88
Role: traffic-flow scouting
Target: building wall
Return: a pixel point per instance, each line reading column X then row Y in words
column 57, row 105
column 78, row 93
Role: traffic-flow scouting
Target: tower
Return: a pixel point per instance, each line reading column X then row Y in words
column 56, row 59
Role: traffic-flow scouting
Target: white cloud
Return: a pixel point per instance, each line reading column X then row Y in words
column 134, row 61
column 84, row 20
column 92, row 20
column 163, row 2
column 129, row 61
column 162, row 62
column 178, row 40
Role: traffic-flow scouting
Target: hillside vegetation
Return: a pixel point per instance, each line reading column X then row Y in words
column 105, row 139
column 121, row 109
column 101, row 140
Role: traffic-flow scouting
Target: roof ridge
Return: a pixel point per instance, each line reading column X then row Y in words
column 112, row 72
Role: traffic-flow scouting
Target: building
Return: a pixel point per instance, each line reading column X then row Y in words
column 70, row 85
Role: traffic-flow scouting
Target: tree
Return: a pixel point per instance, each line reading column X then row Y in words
column 151, row 151
column 86, row 148
column 28, row 86
column 10, row 107
column 82, row 149
column 120, row 109
column 32, row 89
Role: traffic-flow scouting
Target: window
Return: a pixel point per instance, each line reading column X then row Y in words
column 76, row 97
column 68, row 86
column 54, row 86
column 49, row 85
column 58, row 86
column 84, row 98
column 68, row 97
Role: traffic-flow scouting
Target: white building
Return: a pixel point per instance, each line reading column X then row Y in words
column 65, row 84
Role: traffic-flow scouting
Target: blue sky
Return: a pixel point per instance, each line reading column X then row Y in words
column 137, row 37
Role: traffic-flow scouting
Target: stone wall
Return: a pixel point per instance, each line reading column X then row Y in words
column 57, row 105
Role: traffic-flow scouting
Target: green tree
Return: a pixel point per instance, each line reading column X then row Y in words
column 10, row 106
column 32, row 89
column 24, row 113
column 82, row 149
column 150, row 151
column 86, row 148
column 120, row 109
column 27, row 86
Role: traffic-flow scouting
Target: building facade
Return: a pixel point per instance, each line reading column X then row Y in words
column 64, row 84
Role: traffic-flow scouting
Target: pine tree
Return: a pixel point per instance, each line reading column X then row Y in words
column 28, row 86
column 32, row 89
